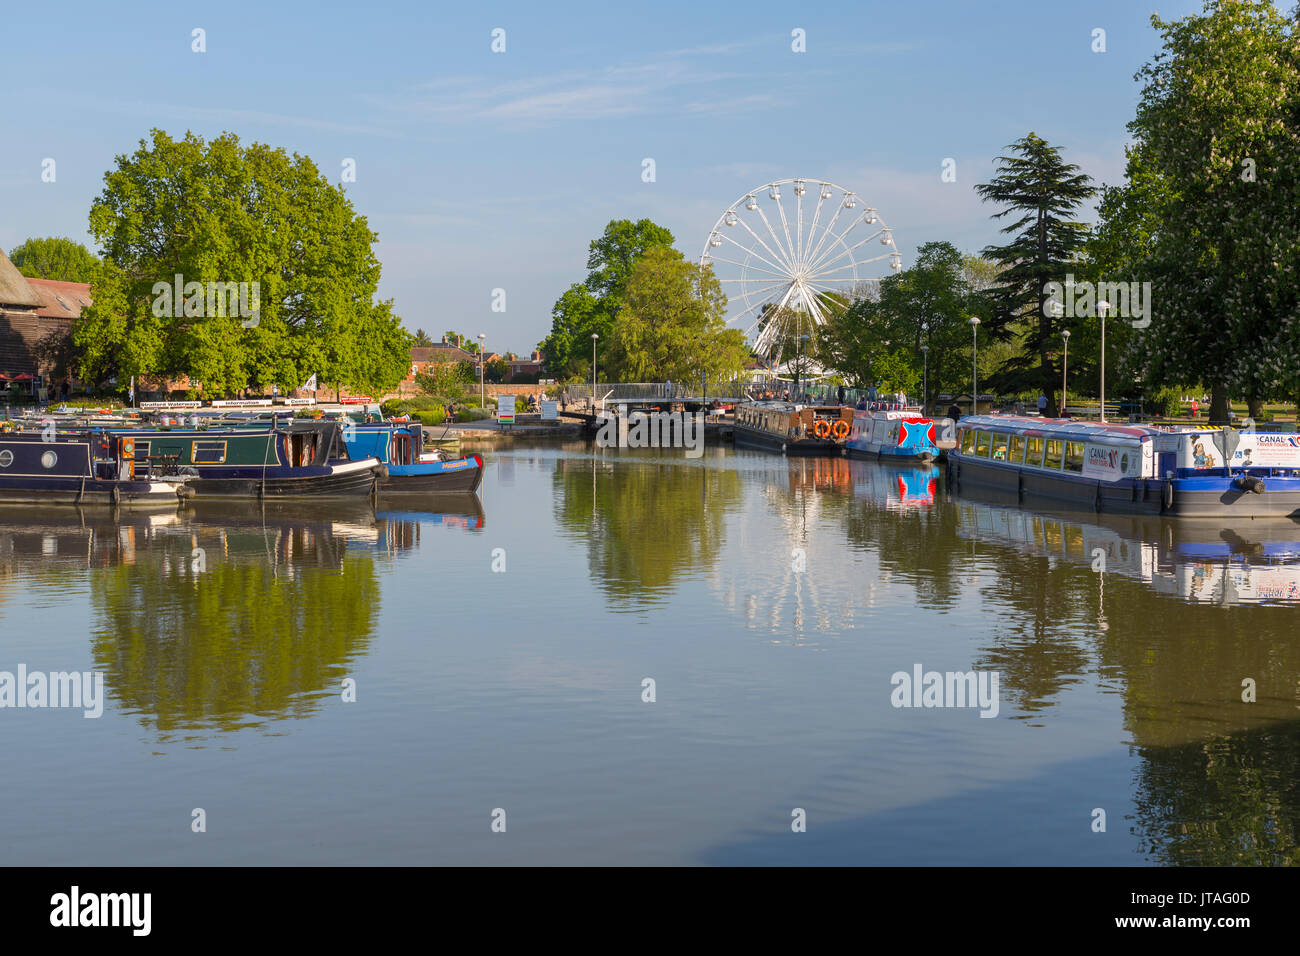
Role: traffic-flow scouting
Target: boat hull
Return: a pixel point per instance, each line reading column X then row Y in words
column 1202, row 497
column 436, row 477
column 870, row 451
column 765, row 441
column 77, row 491
column 350, row 480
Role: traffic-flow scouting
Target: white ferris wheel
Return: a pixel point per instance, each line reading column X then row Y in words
column 798, row 260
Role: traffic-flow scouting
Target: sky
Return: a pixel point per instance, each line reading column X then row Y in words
column 483, row 170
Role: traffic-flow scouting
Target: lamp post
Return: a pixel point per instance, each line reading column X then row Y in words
column 974, row 364
column 1065, row 368
column 798, row 373
column 482, row 367
column 1102, row 309
column 925, row 377
column 594, row 336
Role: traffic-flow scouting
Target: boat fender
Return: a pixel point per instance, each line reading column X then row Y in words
column 1250, row 483
column 1096, row 501
column 381, row 470
column 1167, row 495
column 1020, row 486
column 117, row 493
column 185, row 491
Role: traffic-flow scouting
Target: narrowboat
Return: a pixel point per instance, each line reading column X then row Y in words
column 296, row 459
column 1131, row 468
column 902, row 436
column 84, row 468
column 399, row 445
column 792, row 429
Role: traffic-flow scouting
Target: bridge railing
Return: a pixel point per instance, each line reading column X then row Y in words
column 612, row 392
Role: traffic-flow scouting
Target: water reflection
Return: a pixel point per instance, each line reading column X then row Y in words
column 647, row 520
column 224, row 615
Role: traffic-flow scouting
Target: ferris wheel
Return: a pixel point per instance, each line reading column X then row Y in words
column 799, row 261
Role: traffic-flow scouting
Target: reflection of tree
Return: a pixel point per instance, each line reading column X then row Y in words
column 278, row 614
column 1231, row 800
column 646, row 523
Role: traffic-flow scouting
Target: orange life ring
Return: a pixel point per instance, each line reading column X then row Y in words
column 840, row 429
column 822, row 429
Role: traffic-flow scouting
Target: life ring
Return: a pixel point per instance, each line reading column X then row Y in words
column 840, row 430
column 822, row 429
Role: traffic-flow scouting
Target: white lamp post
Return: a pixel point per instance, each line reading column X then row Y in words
column 1102, row 309
column 594, row 337
column 1065, row 367
column 974, row 364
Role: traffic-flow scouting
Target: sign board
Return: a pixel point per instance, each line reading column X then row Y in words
column 246, row 402
column 300, row 401
column 1268, row 449
column 506, row 409
column 171, row 404
column 356, row 400
column 550, row 410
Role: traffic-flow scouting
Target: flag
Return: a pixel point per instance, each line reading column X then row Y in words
column 311, row 383
column 131, row 390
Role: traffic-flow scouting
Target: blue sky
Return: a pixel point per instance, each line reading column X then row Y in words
column 484, row 170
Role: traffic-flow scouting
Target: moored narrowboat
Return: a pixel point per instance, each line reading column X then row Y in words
column 399, row 445
column 75, row 468
column 297, row 459
column 792, row 429
column 903, row 436
column 1131, row 468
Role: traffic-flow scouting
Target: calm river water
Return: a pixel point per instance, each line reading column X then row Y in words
column 500, row 649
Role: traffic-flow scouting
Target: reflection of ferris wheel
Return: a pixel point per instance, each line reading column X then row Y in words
column 769, row 258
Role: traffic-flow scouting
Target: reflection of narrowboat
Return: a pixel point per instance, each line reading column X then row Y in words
column 792, row 429
column 299, row 459
column 896, row 489
column 399, row 446
column 903, row 436
column 85, row 468
column 1197, row 561
column 1128, row 468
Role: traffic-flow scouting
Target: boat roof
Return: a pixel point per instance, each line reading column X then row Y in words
column 1061, row 428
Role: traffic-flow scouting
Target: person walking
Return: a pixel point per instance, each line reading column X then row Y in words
column 1042, row 405
column 954, row 411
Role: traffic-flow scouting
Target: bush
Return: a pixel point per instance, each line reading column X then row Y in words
column 429, row 416
column 1166, row 402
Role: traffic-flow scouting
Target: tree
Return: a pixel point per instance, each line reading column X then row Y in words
column 1207, row 212
column 62, row 260
column 496, row 371
column 881, row 338
column 672, row 324
column 219, row 214
column 591, row 306
column 421, row 339
column 1038, row 187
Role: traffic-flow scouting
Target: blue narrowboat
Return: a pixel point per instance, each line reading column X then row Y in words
column 902, row 436
column 1190, row 472
column 47, row 467
column 399, row 445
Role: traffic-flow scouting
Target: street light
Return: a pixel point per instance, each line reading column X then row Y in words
column 925, row 379
column 482, row 363
column 594, row 336
column 1102, row 309
column 974, row 359
column 798, row 369
column 1065, row 368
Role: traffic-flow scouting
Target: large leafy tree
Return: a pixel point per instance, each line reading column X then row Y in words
column 591, row 306
column 1042, row 192
column 63, row 260
column 1208, row 210
column 881, row 338
column 219, row 212
column 672, row 324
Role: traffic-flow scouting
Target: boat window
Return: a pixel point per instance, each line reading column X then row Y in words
column 1017, row 448
column 1034, row 452
column 999, row 447
column 982, row 444
column 208, row 452
column 141, row 449
column 967, row 440
column 1053, row 457
column 1074, row 456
